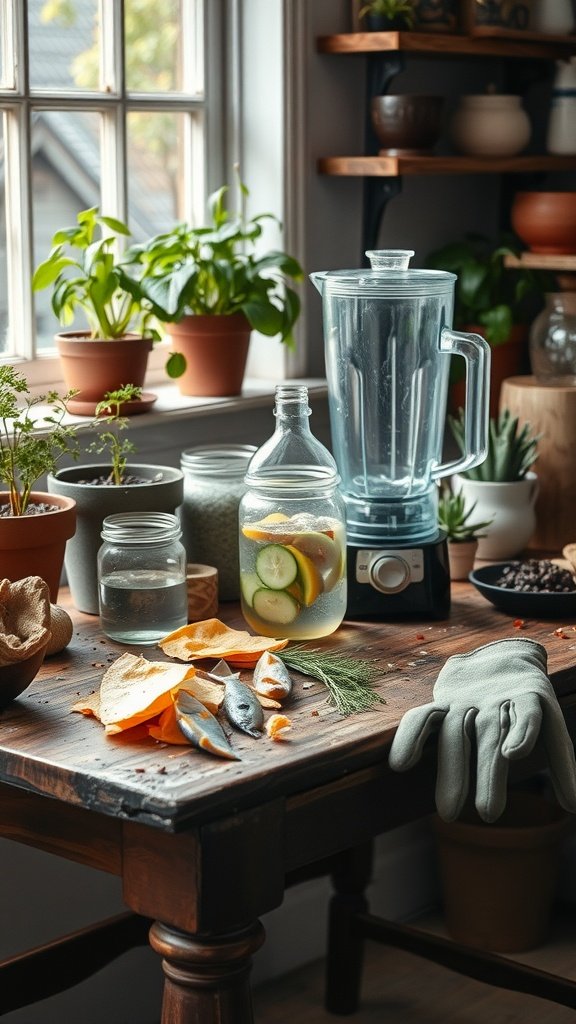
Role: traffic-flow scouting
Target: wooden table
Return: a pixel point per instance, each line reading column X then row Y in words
column 204, row 846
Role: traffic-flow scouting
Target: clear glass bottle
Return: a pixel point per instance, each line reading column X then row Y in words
column 141, row 577
column 292, row 530
column 213, row 487
column 553, row 341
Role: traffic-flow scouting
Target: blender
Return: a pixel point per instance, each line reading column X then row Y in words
column 388, row 343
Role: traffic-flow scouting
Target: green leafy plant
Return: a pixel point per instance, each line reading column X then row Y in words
column 215, row 270
column 454, row 517
column 25, row 453
column 110, row 423
column 391, row 9
column 511, row 452
column 488, row 293
column 86, row 273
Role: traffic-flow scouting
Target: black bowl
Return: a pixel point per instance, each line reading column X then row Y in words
column 518, row 602
column 407, row 123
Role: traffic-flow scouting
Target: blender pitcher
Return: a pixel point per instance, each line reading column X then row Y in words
column 388, row 342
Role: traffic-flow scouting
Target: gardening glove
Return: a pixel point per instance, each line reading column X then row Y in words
column 501, row 695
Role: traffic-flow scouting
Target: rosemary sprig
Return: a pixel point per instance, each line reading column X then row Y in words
column 349, row 680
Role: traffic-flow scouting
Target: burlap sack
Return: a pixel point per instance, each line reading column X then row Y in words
column 24, row 618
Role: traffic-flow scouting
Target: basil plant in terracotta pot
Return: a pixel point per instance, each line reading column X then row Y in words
column 107, row 488
column 212, row 287
column 32, row 441
column 87, row 278
column 503, row 488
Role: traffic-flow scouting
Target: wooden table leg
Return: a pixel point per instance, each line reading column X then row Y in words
column 207, row 978
column 345, row 954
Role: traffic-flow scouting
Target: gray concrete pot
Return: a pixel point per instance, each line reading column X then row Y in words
column 94, row 502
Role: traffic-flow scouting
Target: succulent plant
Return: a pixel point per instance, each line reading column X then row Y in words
column 454, row 517
column 511, row 452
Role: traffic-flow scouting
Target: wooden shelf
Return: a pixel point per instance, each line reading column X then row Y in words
column 530, row 46
column 542, row 261
column 394, row 166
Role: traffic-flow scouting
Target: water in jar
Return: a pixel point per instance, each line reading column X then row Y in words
column 140, row 606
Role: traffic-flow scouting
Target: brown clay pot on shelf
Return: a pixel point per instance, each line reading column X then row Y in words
column 95, row 366
column 545, row 221
column 215, row 349
column 408, row 123
column 34, row 545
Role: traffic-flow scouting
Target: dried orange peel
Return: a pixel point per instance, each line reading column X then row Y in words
column 211, row 638
column 277, row 726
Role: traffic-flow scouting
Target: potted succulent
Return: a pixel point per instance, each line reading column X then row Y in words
column 454, row 515
column 107, row 488
column 30, row 446
column 86, row 276
column 212, row 288
column 492, row 300
column 503, row 488
column 385, row 15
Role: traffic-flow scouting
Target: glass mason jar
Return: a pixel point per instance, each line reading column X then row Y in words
column 553, row 341
column 142, row 577
column 213, row 487
column 292, row 530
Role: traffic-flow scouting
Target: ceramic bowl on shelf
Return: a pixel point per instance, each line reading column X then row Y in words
column 545, row 221
column 533, row 605
column 490, row 126
column 407, row 124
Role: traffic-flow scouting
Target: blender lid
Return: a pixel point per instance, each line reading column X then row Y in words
column 388, row 276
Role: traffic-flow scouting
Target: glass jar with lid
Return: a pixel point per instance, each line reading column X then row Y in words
column 213, row 487
column 553, row 341
column 142, row 577
column 292, row 530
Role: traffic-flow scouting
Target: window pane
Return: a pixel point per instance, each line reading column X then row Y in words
column 64, row 44
column 3, row 272
column 153, row 56
column 155, row 171
column 65, row 180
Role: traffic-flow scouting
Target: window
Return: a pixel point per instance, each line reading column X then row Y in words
column 104, row 103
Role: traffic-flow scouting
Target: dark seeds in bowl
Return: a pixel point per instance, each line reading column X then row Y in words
column 536, row 577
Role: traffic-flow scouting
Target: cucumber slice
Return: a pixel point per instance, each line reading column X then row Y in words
column 276, row 566
column 276, row 606
column 249, row 584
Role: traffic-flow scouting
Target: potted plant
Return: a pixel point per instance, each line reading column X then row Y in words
column 86, row 276
column 212, row 288
column 503, row 488
column 385, row 15
column 454, row 516
column 107, row 488
column 492, row 300
column 30, row 446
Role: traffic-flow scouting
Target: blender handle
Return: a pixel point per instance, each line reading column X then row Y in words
column 476, row 352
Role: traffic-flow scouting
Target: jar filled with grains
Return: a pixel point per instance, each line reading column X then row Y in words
column 213, row 487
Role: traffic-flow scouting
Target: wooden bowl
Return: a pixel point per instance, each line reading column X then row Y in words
column 407, row 124
column 546, row 221
column 14, row 678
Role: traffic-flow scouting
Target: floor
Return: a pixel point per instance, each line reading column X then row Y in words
column 402, row 989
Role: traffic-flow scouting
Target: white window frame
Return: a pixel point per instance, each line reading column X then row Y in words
column 205, row 157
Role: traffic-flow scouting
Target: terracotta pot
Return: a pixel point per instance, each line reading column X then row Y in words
column 95, row 366
column 545, row 221
column 215, row 349
column 461, row 555
column 34, row 545
column 407, row 124
column 507, row 360
column 498, row 880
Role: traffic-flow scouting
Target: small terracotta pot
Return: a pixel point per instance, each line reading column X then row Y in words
column 34, row 545
column 95, row 366
column 545, row 221
column 407, row 124
column 215, row 349
column 461, row 555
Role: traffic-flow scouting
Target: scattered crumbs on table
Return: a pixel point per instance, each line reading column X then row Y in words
column 422, row 652
column 307, row 686
column 163, row 770
column 315, row 714
column 412, row 664
column 391, row 664
column 140, row 771
column 419, row 636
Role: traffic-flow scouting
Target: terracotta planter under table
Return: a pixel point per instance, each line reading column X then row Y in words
column 215, row 349
column 34, row 545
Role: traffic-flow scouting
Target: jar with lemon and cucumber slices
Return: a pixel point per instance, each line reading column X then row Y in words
column 292, row 537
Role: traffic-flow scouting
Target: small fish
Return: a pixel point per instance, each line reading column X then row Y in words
column 242, row 707
column 200, row 727
column 272, row 678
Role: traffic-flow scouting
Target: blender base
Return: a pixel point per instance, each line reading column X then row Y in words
column 401, row 580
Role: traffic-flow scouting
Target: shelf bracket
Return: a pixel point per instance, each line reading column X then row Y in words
column 377, row 194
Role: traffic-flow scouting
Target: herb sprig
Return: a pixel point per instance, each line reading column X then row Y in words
column 349, row 681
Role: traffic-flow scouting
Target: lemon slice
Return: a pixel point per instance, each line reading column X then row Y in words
column 324, row 552
column 268, row 529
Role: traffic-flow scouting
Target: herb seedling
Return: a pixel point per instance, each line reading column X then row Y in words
column 109, row 440
column 25, row 454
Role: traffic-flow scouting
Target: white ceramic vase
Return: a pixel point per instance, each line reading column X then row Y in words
column 552, row 17
column 561, row 132
column 510, row 506
column 490, row 125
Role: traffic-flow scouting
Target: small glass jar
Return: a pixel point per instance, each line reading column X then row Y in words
column 142, row 577
column 292, row 530
column 553, row 341
column 213, row 487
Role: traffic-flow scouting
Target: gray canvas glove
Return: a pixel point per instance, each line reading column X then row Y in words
column 501, row 695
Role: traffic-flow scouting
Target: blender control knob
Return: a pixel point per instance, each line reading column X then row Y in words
column 389, row 574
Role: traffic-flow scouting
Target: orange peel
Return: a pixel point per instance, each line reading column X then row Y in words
column 211, row 638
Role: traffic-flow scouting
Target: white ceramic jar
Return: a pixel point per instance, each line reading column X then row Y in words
column 490, row 125
column 561, row 133
column 552, row 17
column 511, row 508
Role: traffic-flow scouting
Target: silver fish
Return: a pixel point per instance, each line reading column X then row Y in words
column 242, row 707
column 200, row 727
column 272, row 678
